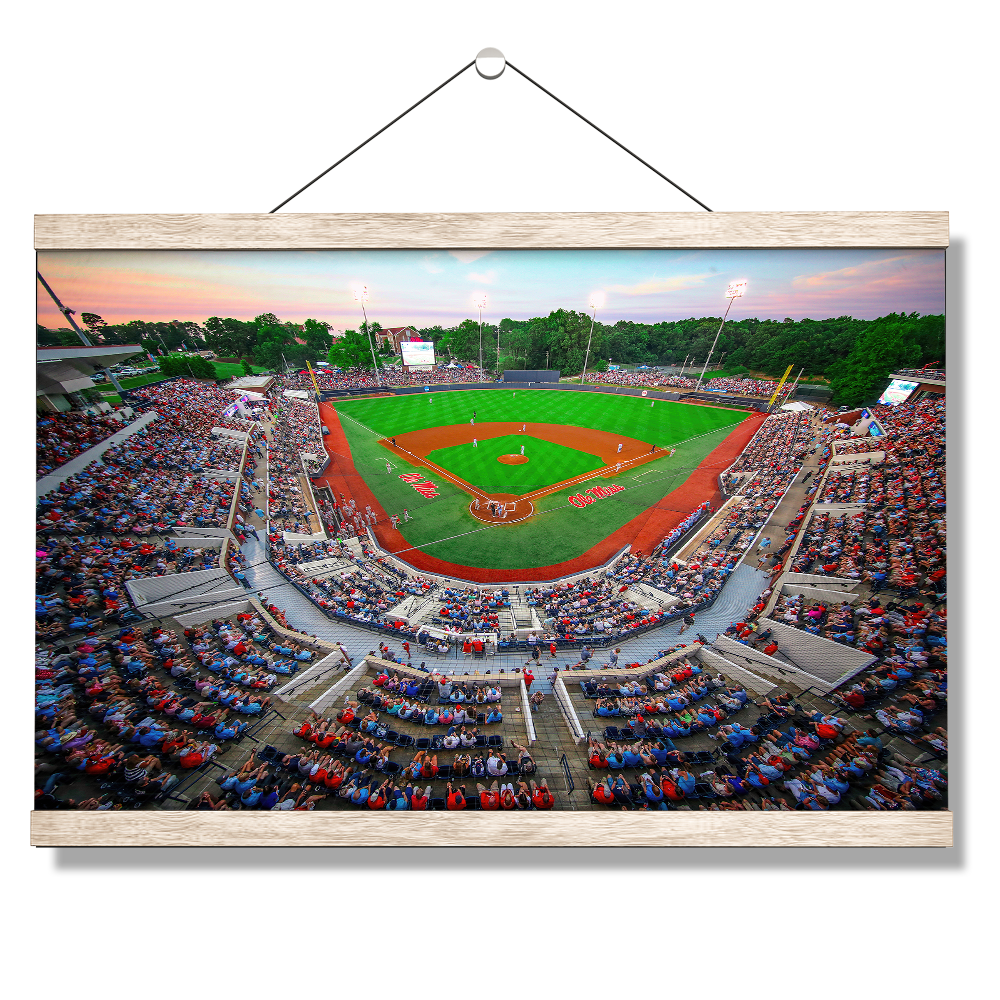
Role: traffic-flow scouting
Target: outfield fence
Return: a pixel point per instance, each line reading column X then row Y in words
column 736, row 402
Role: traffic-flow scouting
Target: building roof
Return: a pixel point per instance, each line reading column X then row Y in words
column 60, row 377
column 258, row 382
column 99, row 356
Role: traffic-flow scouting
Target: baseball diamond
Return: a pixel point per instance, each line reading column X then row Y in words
column 533, row 519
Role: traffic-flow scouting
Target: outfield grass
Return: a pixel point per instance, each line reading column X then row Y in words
column 443, row 526
column 663, row 424
column 547, row 463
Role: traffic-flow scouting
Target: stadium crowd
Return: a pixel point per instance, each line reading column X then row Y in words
column 133, row 714
column 898, row 536
column 389, row 375
column 105, row 711
column 62, row 436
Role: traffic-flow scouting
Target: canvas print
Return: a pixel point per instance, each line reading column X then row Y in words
column 491, row 530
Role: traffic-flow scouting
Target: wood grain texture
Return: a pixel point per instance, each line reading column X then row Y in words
column 492, row 230
column 565, row 829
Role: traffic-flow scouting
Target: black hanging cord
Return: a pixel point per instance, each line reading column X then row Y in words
column 606, row 136
column 369, row 139
column 529, row 79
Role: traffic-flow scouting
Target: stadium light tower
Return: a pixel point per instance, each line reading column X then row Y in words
column 361, row 295
column 734, row 291
column 479, row 301
column 596, row 301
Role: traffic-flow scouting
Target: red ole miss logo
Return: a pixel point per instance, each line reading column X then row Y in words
column 415, row 479
column 595, row 493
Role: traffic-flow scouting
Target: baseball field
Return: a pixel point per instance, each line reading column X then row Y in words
column 595, row 471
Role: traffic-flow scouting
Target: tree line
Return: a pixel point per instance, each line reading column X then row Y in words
column 854, row 355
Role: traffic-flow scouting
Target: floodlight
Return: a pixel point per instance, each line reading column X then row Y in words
column 479, row 301
column 596, row 300
column 361, row 293
column 736, row 289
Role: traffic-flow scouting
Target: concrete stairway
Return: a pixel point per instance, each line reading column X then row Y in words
column 524, row 616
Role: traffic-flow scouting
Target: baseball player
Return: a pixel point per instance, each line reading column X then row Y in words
column 395, row 520
column 619, row 448
column 522, row 449
column 406, row 514
column 388, row 467
column 475, row 443
column 475, row 504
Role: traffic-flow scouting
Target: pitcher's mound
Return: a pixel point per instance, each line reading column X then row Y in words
column 513, row 459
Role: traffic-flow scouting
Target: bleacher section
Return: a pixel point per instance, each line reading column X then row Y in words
column 833, row 662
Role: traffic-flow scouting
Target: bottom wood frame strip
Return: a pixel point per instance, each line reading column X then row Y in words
column 562, row 829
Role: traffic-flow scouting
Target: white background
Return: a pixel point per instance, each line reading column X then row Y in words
column 229, row 107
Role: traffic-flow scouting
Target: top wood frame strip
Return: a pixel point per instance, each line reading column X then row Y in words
column 535, row 230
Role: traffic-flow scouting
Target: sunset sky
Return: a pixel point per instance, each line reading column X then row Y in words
column 421, row 288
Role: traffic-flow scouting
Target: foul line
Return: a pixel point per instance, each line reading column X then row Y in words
column 461, row 483
column 358, row 422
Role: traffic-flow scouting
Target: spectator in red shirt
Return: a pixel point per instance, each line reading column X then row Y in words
column 456, row 797
column 489, row 797
column 541, row 797
column 418, row 797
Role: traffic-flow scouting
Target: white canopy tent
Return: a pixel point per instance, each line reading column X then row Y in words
column 797, row 407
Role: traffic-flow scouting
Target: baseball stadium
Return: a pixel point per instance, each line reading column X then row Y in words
column 446, row 587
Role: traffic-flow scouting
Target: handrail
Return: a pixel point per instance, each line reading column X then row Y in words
column 529, row 723
column 570, row 784
column 566, row 708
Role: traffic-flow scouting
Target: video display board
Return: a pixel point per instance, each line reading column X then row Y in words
column 419, row 353
column 896, row 392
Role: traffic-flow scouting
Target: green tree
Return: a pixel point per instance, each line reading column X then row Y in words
column 272, row 339
column 352, row 351
column 231, row 338
column 44, row 337
column 564, row 334
column 246, row 366
column 95, row 326
column 317, row 336
column 889, row 342
column 189, row 366
column 371, row 330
